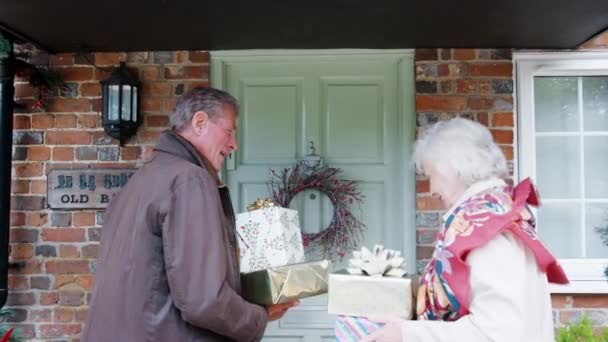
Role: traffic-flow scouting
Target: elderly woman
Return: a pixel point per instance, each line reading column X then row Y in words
column 488, row 278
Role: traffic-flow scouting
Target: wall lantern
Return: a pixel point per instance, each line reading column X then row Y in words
column 120, row 107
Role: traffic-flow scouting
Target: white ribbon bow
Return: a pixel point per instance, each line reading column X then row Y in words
column 377, row 263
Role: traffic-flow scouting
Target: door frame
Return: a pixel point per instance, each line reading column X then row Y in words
column 407, row 118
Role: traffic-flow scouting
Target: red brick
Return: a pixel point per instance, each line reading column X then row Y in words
column 482, row 118
column 88, row 121
column 63, row 234
column 150, row 73
column 85, row 281
column 63, row 315
column 37, row 219
column 41, row 315
column 440, row 103
column 67, row 266
column 90, row 251
column 156, row 89
column 71, row 74
column 464, row 54
column 29, row 266
column 181, row 57
column 60, row 105
column 590, row 301
column 63, row 279
column 491, row 69
column 130, row 152
column 101, row 75
column 157, row 121
column 65, row 121
column 59, row 330
column 186, row 72
column 502, row 136
column 22, row 251
column 147, row 136
column 61, row 59
column 147, row 152
column 480, row 103
column 17, row 283
column 600, row 41
column 428, row 203
column 108, row 58
column 150, row 105
column 424, row 252
column 49, row 298
column 83, row 219
column 38, row 153
column 199, row 56
column 23, row 90
column 43, row 121
column 29, row 170
column 81, row 315
column 485, row 87
column 38, row 187
column 68, row 138
column 502, row 119
column 21, row 122
column 423, row 186
column 447, row 87
column 169, row 104
column 20, row 186
column 198, row 84
column 466, row 86
column 90, row 89
column 426, row 55
column 68, row 251
column 17, row 219
column 63, row 153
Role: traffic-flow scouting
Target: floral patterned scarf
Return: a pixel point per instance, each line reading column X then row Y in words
column 444, row 292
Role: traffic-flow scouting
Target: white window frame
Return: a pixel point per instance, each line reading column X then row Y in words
column 586, row 275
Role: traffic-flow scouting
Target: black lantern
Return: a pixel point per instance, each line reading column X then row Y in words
column 119, row 96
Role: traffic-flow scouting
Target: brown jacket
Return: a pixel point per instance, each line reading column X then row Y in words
column 167, row 267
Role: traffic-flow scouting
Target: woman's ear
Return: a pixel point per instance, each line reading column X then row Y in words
column 200, row 120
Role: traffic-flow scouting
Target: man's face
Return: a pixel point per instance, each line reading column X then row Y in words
column 219, row 140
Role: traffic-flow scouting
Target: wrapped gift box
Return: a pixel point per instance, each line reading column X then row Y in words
column 362, row 295
column 285, row 283
column 353, row 329
column 269, row 237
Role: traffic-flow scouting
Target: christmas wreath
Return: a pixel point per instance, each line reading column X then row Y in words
column 345, row 229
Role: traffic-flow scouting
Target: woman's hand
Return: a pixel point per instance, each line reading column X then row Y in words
column 390, row 332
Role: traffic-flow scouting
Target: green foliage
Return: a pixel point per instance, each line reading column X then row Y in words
column 580, row 332
column 4, row 328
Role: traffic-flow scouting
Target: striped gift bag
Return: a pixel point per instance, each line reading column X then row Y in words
column 352, row 329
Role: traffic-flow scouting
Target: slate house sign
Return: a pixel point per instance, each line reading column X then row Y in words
column 85, row 189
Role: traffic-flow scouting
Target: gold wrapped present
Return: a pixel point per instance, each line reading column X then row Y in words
column 380, row 272
column 286, row 283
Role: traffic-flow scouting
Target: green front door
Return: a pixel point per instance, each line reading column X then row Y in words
column 357, row 107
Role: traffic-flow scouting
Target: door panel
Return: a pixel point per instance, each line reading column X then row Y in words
column 358, row 109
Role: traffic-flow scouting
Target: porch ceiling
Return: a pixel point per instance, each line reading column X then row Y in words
column 135, row 25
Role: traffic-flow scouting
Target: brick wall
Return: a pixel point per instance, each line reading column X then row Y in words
column 478, row 84
column 53, row 252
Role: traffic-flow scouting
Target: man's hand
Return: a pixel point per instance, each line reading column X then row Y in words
column 276, row 311
column 390, row 332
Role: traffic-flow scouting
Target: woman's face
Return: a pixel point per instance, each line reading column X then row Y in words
column 448, row 188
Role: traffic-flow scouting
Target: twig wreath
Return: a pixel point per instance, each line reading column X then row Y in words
column 345, row 229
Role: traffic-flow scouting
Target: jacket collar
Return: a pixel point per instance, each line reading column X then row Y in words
column 173, row 143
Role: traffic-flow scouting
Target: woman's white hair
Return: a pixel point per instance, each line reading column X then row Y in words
column 462, row 148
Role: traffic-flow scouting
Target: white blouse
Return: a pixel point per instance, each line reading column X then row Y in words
column 510, row 298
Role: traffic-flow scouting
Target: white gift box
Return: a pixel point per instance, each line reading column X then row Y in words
column 269, row 237
column 362, row 295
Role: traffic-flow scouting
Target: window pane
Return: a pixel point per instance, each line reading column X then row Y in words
column 126, row 103
column 556, row 104
column 113, row 103
column 595, row 103
column 596, row 167
column 560, row 228
column 597, row 216
column 558, row 167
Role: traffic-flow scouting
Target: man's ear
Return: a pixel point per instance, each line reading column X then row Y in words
column 200, row 120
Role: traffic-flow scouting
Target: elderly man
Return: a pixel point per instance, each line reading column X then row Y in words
column 168, row 265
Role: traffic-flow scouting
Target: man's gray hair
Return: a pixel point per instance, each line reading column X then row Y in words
column 209, row 100
column 460, row 148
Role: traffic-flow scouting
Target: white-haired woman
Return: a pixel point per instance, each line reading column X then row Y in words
column 488, row 277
